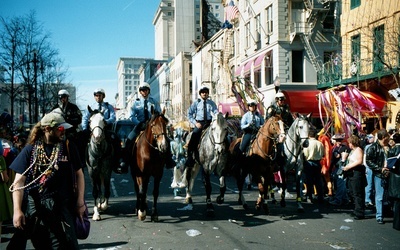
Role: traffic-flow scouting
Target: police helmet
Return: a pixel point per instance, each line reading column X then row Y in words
column 99, row 91
column 252, row 103
column 143, row 86
column 63, row 93
column 204, row 89
column 280, row 95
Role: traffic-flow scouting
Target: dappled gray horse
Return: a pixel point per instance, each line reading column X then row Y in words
column 98, row 161
column 213, row 155
column 293, row 152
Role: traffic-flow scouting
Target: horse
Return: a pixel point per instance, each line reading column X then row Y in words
column 258, row 161
column 296, row 136
column 98, row 160
column 148, row 159
column 213, row 154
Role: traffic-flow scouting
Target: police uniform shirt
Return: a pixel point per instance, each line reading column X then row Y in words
column 196, row 110
column 108, row 112
column 137, row 110
column 247, row 120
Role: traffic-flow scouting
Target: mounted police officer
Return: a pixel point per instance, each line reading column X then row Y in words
column 279, row 107
column 109, row 117
column 140, row 114
column 199, row 114
column 70, row 112
column 250, row 124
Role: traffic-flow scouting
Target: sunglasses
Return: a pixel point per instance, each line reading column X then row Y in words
column 62, row 96
column 281, row 99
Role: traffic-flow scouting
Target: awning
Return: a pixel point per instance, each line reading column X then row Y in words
column 303, row 102
column 238, row 70
column 232, row 109
column 259, row 60
column 247, row 66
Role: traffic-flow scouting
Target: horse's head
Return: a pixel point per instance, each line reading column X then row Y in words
column 302, row 127
column 218, row 131
column 97, row 126
column 273, row 127
column 158, row 126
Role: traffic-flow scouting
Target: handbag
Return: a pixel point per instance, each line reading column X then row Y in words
column 394, row 186
column 82, row 227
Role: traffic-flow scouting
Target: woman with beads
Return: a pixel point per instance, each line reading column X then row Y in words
column 48, row 190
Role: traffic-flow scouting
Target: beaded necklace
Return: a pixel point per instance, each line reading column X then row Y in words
column 41, row 166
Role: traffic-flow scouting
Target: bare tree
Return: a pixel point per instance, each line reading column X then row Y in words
column 29, row 59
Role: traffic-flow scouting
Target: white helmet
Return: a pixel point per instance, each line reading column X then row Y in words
column 251, row 102
column 280, row 95
column 143, row 86
column 99, row 91
column 63, row 92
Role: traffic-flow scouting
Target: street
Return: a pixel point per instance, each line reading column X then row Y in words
column 232, row 227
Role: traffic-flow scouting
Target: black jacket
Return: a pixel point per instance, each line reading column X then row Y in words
column 375, row 159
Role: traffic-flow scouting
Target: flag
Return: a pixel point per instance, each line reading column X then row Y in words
column 231, row 11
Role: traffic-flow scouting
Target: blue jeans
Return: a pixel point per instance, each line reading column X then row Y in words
column 369, row 187
column 378, row 197
column 341, row 189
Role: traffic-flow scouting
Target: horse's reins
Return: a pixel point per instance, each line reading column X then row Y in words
column 273, row 139
column 102, row 130
column 155, row 136
column 291, row 152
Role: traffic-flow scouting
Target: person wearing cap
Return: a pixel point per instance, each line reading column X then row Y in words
column 140, row 114
column 44, row 197
column 279, row 107
column 109, row 117
column 339, row 154
column 369, row 188
column 69, row 111
column 250, row 124
column 199, row 115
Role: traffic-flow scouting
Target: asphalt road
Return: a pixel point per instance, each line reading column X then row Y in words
column 232, row 227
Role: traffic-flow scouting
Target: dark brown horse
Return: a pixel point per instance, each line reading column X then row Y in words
column 258, row 162
column 148, row 159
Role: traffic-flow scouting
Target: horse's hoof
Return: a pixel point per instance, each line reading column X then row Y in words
column 245, row 206
column 154, row 218
column 266, row 208
column 96, row 217
column 189, row 200
column 141, row 215
column 283, row 203
column 220, row 200
column 240, row 202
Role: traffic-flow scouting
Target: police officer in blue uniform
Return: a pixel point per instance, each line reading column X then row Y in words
column 199, row 114
column 250, row 124
column 109, row 117
column 140, row 114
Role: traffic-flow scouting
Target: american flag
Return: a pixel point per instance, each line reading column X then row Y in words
column 231, row 11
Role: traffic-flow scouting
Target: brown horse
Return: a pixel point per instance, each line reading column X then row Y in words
column 148, row 160
column 258, row 161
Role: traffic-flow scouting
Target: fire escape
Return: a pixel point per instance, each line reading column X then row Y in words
column 316, row 10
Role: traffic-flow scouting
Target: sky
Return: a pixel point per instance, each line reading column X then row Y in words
column 91, row 35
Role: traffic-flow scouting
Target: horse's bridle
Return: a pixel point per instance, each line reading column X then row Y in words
column 155, row 136
column 102, row 131
column 291, row 152
column 273, row 139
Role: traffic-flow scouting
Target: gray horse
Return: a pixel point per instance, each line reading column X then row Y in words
column 98, row 161
column 213, row 156
column 296, row 136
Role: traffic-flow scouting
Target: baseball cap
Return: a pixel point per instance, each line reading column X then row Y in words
column 369, row 136
column 54, row 119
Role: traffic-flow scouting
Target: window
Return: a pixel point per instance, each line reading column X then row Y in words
column 217, row 6
column 269, row 19
column 258, row 27
column 354, row 3
column 355, row 53
column 247, row 34
column 379, row 48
